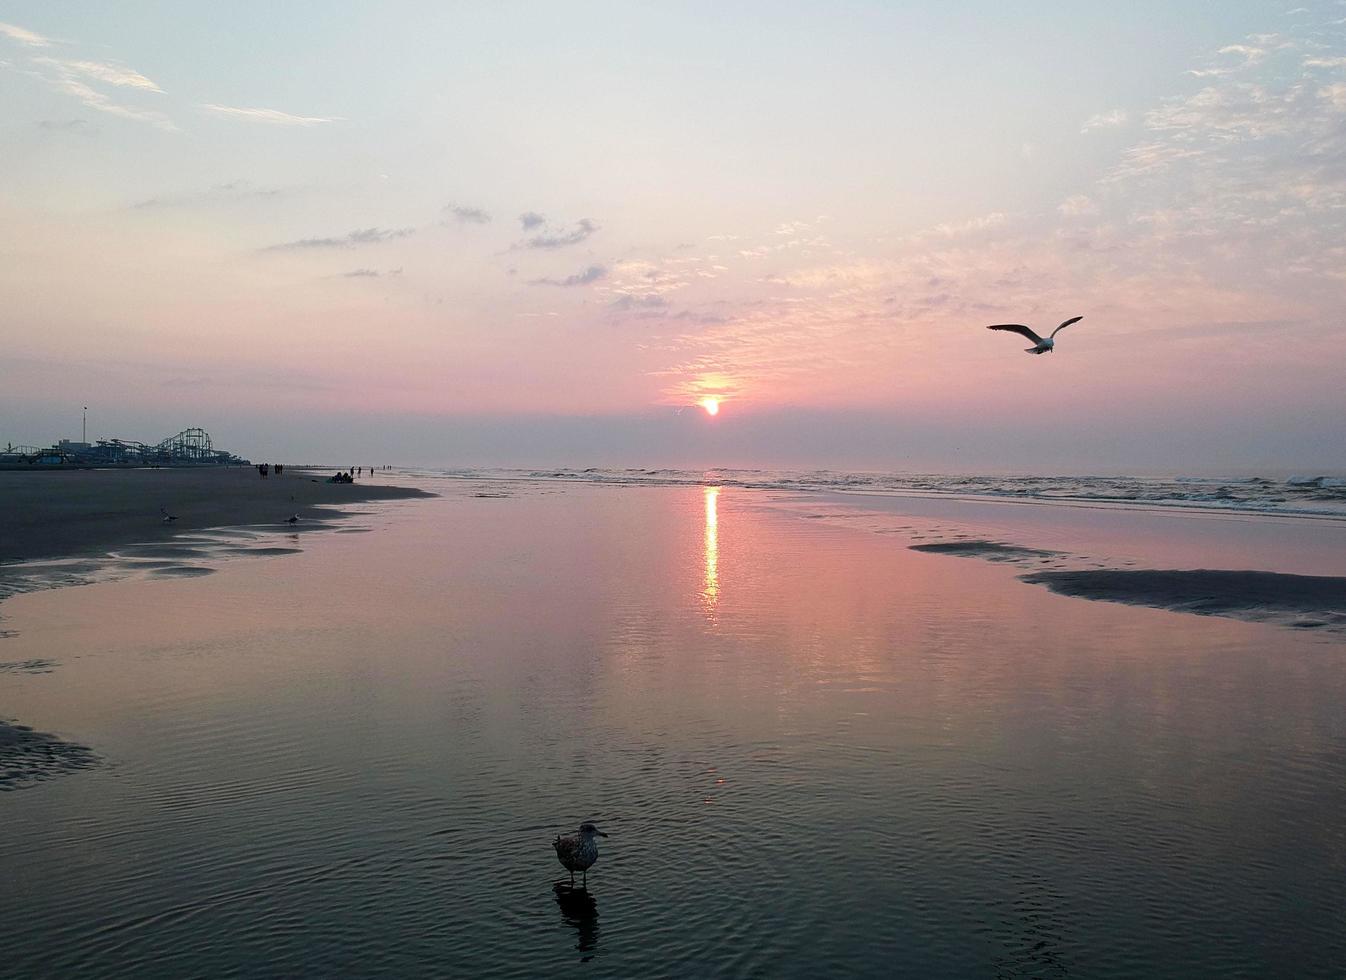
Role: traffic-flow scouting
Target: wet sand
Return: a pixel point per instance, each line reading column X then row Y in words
column 990, row 550
column 1301, row 601
column 938, row 764
column 82, row 512
column 27, row 757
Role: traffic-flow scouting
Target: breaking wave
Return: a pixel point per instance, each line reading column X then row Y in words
column 1305, row 495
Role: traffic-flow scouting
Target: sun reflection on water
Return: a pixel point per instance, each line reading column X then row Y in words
column 710, row 592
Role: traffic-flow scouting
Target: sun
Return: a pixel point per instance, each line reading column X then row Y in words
column 711, row 405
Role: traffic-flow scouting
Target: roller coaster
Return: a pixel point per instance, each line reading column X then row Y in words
column 190, row 447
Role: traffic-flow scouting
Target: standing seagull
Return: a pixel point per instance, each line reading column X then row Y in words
column 168, row 518
column 1044, row 344
column 579, row 851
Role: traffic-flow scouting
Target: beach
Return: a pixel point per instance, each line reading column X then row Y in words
column 816, row 750
column 69, row 513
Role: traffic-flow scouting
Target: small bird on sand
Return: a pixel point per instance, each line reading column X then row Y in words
column 1044, row 345
column 292, row 519
column 168, row 518
column 578, row 851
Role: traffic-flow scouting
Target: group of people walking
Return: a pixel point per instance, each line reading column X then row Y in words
column 342, row 476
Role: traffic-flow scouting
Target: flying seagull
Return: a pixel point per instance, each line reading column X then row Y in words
column 578, row 851
column 292, row 519
column 1044, row 344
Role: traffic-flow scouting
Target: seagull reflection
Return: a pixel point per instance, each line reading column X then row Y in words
column 710, row 592
column 579, row 909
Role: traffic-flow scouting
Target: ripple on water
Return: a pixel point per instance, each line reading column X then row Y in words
column 38, row 665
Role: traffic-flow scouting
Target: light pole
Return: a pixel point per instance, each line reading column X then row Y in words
column 84, row 427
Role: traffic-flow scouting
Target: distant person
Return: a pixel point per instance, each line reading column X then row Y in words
column 280, row 468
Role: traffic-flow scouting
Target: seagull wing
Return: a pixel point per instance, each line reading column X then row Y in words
column 1073, row 319
column 1018, row 328
column 565, row 850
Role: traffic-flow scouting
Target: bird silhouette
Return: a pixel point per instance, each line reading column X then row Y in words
column 1042, row 345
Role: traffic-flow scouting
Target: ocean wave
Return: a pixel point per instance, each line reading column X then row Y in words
column 1313, row 496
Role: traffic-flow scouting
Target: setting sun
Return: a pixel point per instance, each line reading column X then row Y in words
column 711, row 405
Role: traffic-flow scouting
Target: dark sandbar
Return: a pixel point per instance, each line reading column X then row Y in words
column 27, row 756
column 1303, row 601
column 182, row 571
column 989, row 550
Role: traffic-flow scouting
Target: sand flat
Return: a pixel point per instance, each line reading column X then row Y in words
column 79, row 512
column 376, row 739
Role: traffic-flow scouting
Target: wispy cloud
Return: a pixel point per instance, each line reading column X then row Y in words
column 1106, row 120
column 23, row 36
column 985, row 222
column 560, row 238
column 73, row 78
column 361, row 236
column 367, row 274
column 233, row 191
column 591, row 274
column 66, row 126
column 1077, row 205
column 648, row 301
column 272, row 117
column 530, row 220
column 467, row 215
column 106, row 72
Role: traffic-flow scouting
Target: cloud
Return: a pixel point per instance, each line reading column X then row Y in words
column 107, row 72
column 530, row 220
column 552, row 238
column 985, row 222
column 591, row 274
column 367, row 274
column 234, row 190
column 1105, row 120
column 23, row 36
column 1077, row 205
column 1250, row 54
column 271, row 116
column 66, row 126
column 649, row 301
column 361, row 236
column 467, row 215
column 70, row 77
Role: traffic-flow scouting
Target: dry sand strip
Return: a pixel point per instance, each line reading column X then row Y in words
column 70, row 513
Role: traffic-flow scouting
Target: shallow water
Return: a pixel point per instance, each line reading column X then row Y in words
column 816, row 752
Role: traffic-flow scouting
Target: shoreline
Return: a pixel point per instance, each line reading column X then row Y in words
column 1263, row 568
column 61, row 514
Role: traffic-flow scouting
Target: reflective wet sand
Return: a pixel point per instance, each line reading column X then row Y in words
column 816, row 751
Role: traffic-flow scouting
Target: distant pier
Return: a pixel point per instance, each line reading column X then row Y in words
column 190, row 447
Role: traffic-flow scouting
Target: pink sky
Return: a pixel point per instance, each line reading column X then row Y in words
column 360, row 256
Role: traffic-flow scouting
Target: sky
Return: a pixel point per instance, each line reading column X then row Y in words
column 540, row 234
